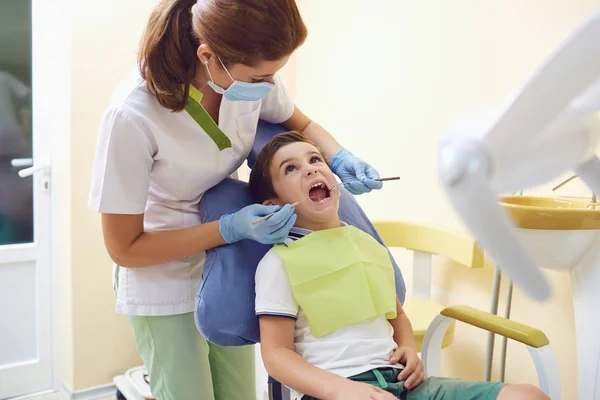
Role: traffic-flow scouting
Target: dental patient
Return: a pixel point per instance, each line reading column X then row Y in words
column 331, row 325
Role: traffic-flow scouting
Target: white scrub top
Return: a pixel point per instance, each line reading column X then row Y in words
column 151, row 160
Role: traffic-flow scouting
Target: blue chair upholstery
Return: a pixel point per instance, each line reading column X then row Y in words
column 225, row 298
column 224, row 311
column 264, row 132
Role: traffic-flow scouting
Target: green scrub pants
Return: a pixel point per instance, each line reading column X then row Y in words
column 183, row 366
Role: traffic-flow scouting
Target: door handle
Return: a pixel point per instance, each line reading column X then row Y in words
column 24, row 173
column 44, row 168
column 21, row 162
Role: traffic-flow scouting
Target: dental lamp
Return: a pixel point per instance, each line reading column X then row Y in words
column 548, row 127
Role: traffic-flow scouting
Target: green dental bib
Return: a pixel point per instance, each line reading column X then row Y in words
column 340, row 277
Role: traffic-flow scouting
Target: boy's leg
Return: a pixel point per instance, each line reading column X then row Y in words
column 522, row 392
column 233, row 372
column 455, row 389
column 176, row 356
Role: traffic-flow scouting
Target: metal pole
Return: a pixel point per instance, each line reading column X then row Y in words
column 491, row 336
column 504, row 339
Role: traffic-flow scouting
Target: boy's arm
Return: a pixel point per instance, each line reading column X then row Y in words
column 413, row 372
column 403, row 331
column 287, row 367
column 277, row 309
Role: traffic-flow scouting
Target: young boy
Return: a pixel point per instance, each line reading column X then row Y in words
column 331, row 325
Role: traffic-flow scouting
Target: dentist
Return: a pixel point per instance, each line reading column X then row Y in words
column 175, row 127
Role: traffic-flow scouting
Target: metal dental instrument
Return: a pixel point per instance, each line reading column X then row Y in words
column 393, row 178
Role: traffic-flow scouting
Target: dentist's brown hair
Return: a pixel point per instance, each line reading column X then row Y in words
column 238, row 31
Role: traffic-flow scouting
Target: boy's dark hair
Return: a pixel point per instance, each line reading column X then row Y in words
column 261, row 185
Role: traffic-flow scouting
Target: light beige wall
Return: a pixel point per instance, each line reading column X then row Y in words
column 387, row 77
column 105, row 40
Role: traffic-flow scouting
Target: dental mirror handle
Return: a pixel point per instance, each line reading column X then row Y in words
column 392, row 178
column 261, row 219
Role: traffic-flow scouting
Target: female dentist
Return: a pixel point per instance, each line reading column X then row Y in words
column 181, row 123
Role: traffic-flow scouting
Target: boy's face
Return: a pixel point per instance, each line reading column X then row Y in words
column 298, row 172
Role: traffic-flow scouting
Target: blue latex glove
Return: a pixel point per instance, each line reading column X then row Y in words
column 351, row 168
column 238, row 226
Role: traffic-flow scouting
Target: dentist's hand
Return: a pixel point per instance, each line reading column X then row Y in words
column 237, row 226
column 351, row 168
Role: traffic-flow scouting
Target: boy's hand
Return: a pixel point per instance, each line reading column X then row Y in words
column 413, row 373
column 362, row 391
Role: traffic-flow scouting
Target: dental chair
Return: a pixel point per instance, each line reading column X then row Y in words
column 224, row 311
column 225, row 298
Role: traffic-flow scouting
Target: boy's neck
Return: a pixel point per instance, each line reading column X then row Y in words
column 333, row 222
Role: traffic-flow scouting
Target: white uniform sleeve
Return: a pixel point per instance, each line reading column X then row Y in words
column 277, row 106
column 122, row 165
column 273, row 291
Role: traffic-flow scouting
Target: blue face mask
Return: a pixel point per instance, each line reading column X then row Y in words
column 238, row 90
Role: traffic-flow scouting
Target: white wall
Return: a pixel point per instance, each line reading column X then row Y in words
column 386, row 77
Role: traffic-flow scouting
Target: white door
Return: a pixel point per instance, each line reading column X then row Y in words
column 25, row 301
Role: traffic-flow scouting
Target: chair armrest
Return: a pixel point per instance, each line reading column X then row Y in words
column 498, row 325
column 536, row 341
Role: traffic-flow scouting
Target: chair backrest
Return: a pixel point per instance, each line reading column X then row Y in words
column 425, row 242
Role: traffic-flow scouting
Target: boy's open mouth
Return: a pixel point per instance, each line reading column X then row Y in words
column 319, row 192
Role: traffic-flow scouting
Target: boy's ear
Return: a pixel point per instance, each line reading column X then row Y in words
column 270, row 202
